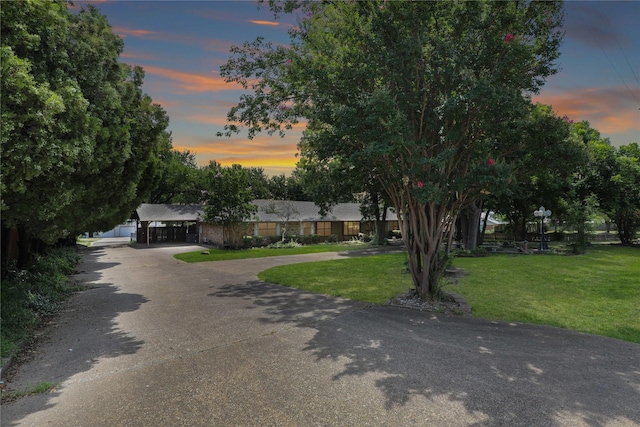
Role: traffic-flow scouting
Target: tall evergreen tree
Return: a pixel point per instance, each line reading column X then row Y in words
column 80, row 141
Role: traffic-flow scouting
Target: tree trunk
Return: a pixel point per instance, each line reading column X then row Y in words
column 381, row 221
column 425, row 227
column 423, row 233
column 10, row 249
column 470, row 225
column 483, row 230
column 627, row 227
column 523, row 229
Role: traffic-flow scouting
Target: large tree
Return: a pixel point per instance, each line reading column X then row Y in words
column 613, row 176
column 413, row 92
column 544, row 155
column 80, row 141
column 229, row 198
column 181, row 180
column 625, row 209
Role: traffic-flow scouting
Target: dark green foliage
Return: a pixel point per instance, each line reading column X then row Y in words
column 612, row 175
column 228, row 201
column 181, row 181
column 80, row 141
column 544, row 156
column 33, row 292
column 415, row 96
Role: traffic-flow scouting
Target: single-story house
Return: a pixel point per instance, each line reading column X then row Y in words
column 166, row 222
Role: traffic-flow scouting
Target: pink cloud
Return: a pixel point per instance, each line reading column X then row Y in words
column 218, row 117
column 146, row 34
column 165, row 103
column 191, row 82
column 610, row 110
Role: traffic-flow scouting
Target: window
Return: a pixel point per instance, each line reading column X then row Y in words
column 306, row 228
column 323, row 228
column 266, row 229
column 351, row 228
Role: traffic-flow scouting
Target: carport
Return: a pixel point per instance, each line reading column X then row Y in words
column 167, row 223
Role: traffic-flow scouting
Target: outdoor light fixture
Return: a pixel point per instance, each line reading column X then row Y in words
column 542, row 213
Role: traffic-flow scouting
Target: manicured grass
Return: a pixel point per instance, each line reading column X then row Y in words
column 225, row 255
column 598, row 292
column 374, row 279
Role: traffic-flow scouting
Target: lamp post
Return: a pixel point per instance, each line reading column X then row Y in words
column 542, row 213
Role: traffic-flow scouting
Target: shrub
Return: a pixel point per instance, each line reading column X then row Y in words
column 281, row 245
column 310, row 239
column 275, row 239
column 466, row 253
column 33, row 292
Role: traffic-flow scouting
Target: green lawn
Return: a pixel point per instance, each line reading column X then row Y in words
column 375, row 279
column 598, row 292
column 225, row 255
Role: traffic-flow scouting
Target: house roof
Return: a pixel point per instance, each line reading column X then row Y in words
column 492, row 220
column 309, row 211
column 165, row 212
column 301, row 211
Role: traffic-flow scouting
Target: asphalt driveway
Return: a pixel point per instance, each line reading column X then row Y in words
column 158, row 342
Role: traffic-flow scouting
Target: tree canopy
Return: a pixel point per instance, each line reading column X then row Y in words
column 415, row 93
column 228, row 200
column 80, row 140
column 612, row 175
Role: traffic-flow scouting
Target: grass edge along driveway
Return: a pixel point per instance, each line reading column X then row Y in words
column 205, row 255
column 597, row 293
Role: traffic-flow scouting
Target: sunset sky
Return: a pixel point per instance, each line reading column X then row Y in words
column 181, row 45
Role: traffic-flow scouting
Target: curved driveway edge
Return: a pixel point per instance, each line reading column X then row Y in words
column 156, row 341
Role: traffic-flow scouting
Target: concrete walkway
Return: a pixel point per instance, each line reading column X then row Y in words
column 158, row 342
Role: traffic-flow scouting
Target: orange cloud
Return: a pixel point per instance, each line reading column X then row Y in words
column 261, row 22
column 162, row 36
column 191, row 82
column 609, row 110
column 165, row 103
column 218, row 120
column 274, row 154
column 264, row 147
column 218, row 117
column 124, row 32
